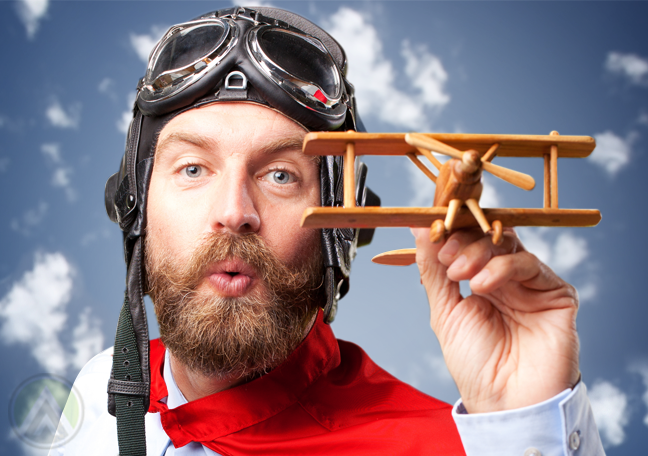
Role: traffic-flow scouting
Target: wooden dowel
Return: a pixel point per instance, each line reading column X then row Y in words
column 490, row 153
column 349, row 176
column 516, row 178
column 498, row 231
column 402, row 257
column 430, row 157
column 453, row 208
column 554, row 173
column 371, row 217
column 473, row 205
column 419, row 140
column 421, row 166
column 547, row 182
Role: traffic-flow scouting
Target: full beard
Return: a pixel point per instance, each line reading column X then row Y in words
column 233, row 337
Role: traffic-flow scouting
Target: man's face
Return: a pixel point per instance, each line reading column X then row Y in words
column 228, row 262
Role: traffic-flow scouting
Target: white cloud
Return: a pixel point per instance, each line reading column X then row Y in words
column 374, row 75
column 33, row 313
column 631, row 66
column 430, row 367
column 643, row 119
column 534, row 240
column 11, row 123
column 52, row 151
column 253, row 3
column 489, row 197
column 421, row 186
column 106, row 85
column 31, row 12
column 30, row 219
column 611, row 412
column 124, row 121
column 612, row 153
column 94, row 236
column 144, row 44
column 641, row 368
column 438, row 367
column 87, row 339
column 61, row 118
column 565, row 253
column 61, row 177
column 4, row 164
column 426, row 72
column 61, row 174
column 569, row 251
column 587, row 292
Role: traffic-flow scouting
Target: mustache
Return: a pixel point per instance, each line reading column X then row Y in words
column 296, row 280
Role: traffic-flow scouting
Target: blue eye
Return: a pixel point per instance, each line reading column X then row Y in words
column 281, row 177
column 193, row 171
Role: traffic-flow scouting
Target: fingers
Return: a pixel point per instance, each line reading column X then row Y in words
column 427, row 256
column 522, row 267
column 443, row 293
column 467, row 252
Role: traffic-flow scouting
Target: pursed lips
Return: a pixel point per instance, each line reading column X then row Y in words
column 231, row 278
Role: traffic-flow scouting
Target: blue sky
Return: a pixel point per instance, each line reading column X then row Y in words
column 70, row 69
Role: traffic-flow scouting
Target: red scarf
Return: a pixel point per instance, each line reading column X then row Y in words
column 328, row 397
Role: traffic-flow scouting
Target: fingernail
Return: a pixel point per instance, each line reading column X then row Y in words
column 481, row 278
column 459, row 263
column 450, row 248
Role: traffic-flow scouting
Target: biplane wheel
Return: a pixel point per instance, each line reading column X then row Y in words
column 497, row 232
column 437, row 230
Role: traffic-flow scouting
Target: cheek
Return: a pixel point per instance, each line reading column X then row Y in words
column 168, row 223
column 282, row 231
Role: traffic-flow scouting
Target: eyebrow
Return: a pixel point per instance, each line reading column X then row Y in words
column 184, row 137
column 205, row 142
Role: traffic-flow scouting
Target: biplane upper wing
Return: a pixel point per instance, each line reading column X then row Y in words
column 334, row 143
column 350, row 144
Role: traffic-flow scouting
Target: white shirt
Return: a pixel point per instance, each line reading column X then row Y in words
column 562, row 426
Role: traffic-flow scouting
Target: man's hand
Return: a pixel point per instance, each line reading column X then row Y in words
column 513, row 342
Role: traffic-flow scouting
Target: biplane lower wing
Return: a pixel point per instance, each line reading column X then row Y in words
column 373, row 217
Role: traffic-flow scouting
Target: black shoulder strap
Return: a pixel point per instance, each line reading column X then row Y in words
column 129, row 384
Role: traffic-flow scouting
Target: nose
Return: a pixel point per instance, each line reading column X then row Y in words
column 234, row 207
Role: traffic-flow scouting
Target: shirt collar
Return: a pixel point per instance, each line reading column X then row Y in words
column 229, row 411
column 175, row 397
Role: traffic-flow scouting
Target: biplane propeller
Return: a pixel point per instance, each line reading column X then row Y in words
column 458, row 184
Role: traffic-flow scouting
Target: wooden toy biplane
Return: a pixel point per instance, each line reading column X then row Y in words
column 458, row 183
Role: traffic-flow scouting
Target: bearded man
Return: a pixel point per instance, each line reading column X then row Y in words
column 210, row 194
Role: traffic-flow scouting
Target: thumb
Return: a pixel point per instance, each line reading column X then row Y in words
column 443, row 294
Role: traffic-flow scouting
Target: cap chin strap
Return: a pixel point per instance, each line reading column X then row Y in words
column 128, row 387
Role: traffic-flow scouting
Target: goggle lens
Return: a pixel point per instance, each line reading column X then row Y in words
column 305, row 59
column 188, row 47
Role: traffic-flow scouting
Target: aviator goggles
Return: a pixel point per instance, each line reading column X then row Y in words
column 194, row 58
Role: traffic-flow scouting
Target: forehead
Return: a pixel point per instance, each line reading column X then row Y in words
column 239, row 125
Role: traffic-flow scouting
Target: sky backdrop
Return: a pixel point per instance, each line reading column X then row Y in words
column 70, row 69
